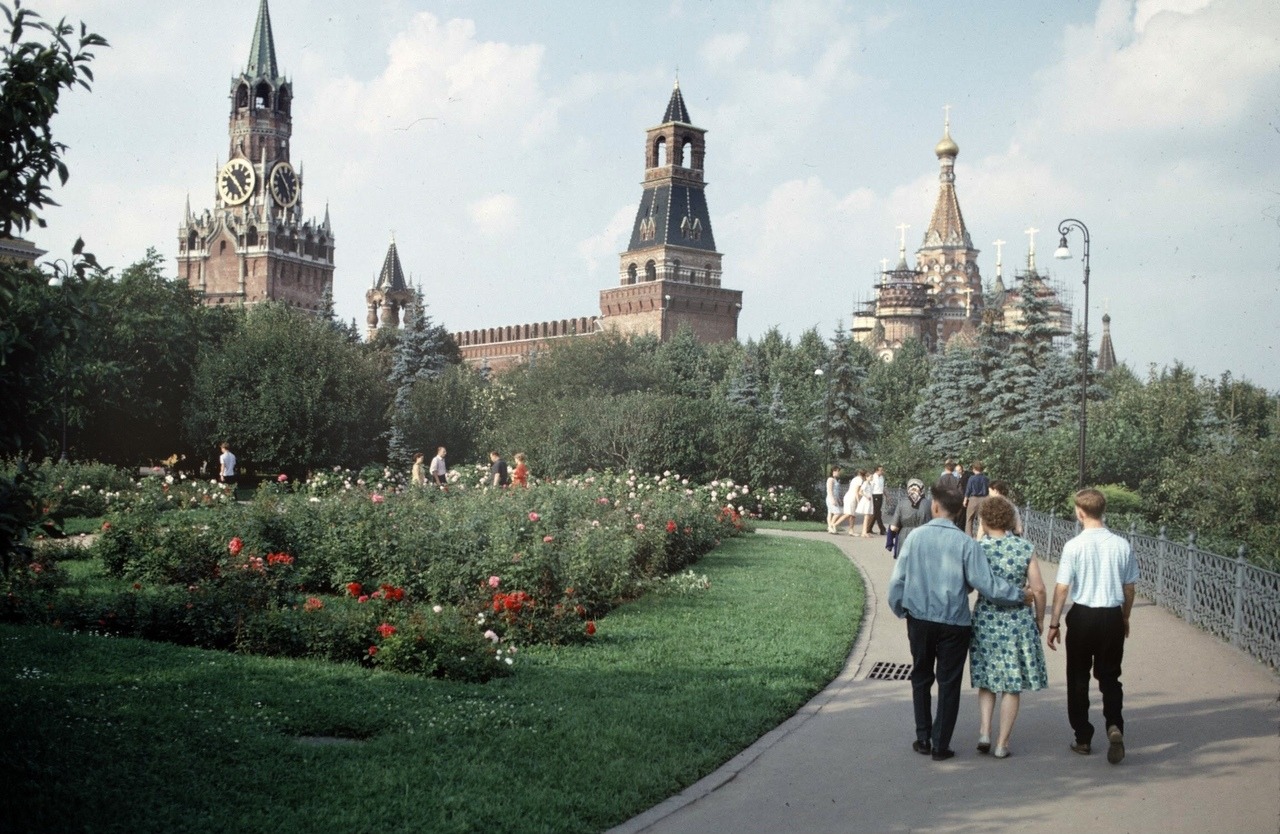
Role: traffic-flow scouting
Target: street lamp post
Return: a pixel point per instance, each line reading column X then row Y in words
column 1063, row 252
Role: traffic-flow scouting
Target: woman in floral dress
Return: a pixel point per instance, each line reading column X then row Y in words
column 1006, row 656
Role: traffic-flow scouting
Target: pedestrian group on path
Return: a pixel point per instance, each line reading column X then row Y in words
column 940, row 558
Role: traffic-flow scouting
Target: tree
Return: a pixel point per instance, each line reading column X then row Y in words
column 33, row 74
column 847, row 425
column 288, row 391
column 947, row 418
column 422, row 352
column 146, row 330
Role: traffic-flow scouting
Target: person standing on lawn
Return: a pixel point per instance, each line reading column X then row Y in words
column 1099, row 573
column 936, row 570
column 227, row 465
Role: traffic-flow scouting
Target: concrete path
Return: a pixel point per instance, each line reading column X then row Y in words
column 1203, row 751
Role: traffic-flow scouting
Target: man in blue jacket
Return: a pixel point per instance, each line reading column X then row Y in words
column 938, row 566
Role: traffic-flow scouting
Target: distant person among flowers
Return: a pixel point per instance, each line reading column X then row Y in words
column 834, row 509
column 499, row 476
column 520, row 475
column 1006, row 656
column 438, row 469
column 909, row 513
column 418, row 477
column 227, row 465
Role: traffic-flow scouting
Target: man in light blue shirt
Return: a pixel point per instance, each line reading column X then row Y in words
column 937, row 568
column 1099, row 573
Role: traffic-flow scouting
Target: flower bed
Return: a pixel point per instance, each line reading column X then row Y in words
column 456, row 580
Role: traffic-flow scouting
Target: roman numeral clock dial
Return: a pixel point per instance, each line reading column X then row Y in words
column 235, row 182
column 284, row 184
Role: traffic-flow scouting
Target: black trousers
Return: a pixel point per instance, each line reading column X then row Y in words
column 1095, row 644
column 938, row 652
column 877, row 504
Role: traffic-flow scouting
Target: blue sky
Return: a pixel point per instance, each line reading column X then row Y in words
column 503, row 145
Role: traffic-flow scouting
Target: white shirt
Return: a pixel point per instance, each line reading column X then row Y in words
column 1097, row 564
column 437, row 466
column 877, row 485
column 228, row 461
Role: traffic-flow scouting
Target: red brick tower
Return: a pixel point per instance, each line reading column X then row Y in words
column 670, row 273
column 254, row 246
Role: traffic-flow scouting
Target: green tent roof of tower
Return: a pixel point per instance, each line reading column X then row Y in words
column 262, row 54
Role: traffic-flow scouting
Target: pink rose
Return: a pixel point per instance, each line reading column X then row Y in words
column 376, row 498
column 548, row 539
column 534, row 516
column 494, row 581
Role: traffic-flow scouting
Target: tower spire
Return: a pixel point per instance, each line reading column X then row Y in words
column 262, row 53
column 676, row 111
column 1031, row 249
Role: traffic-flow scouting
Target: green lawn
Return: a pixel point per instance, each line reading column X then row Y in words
column 798, row 526
column 106, row 734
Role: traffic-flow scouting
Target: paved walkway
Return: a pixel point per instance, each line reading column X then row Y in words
column 1203, row 752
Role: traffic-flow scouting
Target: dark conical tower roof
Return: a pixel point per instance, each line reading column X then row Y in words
column 1106, row 351
column 676, row 111
column 262, row 54
column 392, row 276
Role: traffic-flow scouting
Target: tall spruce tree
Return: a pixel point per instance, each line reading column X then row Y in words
column 947, row 418
column 847, row 424
column 423, row 351
column 1025, row 392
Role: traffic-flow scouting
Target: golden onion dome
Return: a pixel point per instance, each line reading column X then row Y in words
column 946, row 147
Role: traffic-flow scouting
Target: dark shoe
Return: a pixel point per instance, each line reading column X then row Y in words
column 924, row 748
column 1081, row 747
column 984, row 744
column 1115, row 746
column 942, row 755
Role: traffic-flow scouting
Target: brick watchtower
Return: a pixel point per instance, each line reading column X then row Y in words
column 670, row 273
column 254, row 245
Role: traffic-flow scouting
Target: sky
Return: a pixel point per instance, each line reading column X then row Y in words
column 502, row 144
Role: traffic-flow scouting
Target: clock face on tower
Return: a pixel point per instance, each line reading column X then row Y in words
column 236, row 181
column 284, row 184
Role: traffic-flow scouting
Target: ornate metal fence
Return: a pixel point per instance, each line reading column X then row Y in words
column 1230, row 598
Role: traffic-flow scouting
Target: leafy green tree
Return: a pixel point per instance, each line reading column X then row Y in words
column 288, row 391
column 147, row 330
column 33, row 74
column 448, row 410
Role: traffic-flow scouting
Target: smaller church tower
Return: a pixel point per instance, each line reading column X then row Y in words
column 389, row 296
column 670, row 273
column 903, row 306
column 947, row 259
column 1106, row 350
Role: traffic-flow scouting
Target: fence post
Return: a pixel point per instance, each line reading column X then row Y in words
column 1162, row 553
column 1048, row 548
column 1237, row 623
column 1189, row 596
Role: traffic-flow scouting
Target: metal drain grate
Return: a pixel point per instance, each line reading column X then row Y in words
column 882, row 671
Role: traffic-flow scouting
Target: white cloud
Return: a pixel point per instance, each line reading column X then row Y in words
column 723, row 51
column 494, row 215
column 603, row 249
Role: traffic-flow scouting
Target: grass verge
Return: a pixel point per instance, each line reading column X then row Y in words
column 111, row 735
column 797, row 526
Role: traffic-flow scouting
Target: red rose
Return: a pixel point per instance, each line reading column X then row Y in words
column 591, row 626
column 373, row 650
column 235, row 546
column 671, row 526
column 312, row 604
column 355, row 589
column 386, row 630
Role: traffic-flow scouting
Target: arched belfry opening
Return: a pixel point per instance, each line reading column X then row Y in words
column 262, row 96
